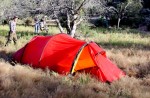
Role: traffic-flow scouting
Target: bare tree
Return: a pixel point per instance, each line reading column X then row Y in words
column 119, row 8
column 68, row 14
column 5, row 5
column 22, row 8
column 122, row 8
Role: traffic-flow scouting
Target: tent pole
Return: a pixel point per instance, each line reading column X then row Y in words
column 23, row 52
column 77, row 57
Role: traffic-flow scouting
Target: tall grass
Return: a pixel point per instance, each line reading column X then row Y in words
column 26, row 30
column 128, row 49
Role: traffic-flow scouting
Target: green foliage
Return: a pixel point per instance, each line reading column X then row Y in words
column 28, row 21
column 125, row 10
column 135, row 7
column 5, row 22
column 128, row 49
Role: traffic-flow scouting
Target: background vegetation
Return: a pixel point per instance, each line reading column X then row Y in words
column 121, row 27
column 128, row 49
column 118, row 13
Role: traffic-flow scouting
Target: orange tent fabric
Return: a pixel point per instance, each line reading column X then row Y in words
column 66, row 55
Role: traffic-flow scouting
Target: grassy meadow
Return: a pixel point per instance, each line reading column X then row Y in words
column 129, row 49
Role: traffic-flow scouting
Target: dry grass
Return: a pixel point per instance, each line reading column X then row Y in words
column 131, row 52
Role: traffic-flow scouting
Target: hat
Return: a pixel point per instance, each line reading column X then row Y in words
column 15, row 17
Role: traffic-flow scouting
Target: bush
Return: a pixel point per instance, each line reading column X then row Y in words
column 148, row 27
column 28, row 22
column 4, row 22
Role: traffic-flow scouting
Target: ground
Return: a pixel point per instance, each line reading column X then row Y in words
column 129, row 49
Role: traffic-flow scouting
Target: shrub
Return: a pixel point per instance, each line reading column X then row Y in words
column 4, row 22
column 28, row 22
column 148, row 27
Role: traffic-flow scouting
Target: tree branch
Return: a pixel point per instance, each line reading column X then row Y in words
column 68, row 22
column 127, row 5
column 81, row 5
column 59, row 24
column 114, row 9
column 81, row 19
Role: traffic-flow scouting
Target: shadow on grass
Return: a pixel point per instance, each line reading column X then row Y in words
column 121, row 45
column 22, row 34
column 139, row 70
column 143, row 71
column 7, row 57
column 114, row 30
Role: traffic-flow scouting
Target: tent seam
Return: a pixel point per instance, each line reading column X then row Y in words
column 43, row 52
column 76, row 57
column 45, row 47
column 23, row 52
column 25, row 48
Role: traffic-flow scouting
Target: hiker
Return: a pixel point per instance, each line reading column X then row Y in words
column 12, row 32
column 43, row 25
column 37, row 25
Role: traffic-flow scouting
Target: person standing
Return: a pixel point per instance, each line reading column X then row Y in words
column 12, row 31
column 37, row 25
column 43, row 26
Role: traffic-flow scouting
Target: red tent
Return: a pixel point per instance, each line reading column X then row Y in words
column 65, row 55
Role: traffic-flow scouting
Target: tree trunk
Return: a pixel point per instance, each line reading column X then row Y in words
column 59, row 26
column 73, row 31
column 74, row 25
column 68, row 27
column 119, row 19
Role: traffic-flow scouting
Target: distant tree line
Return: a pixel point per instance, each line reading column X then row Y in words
column 70, row 13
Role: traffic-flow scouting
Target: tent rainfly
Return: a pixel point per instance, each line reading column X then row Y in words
column 66, row 55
